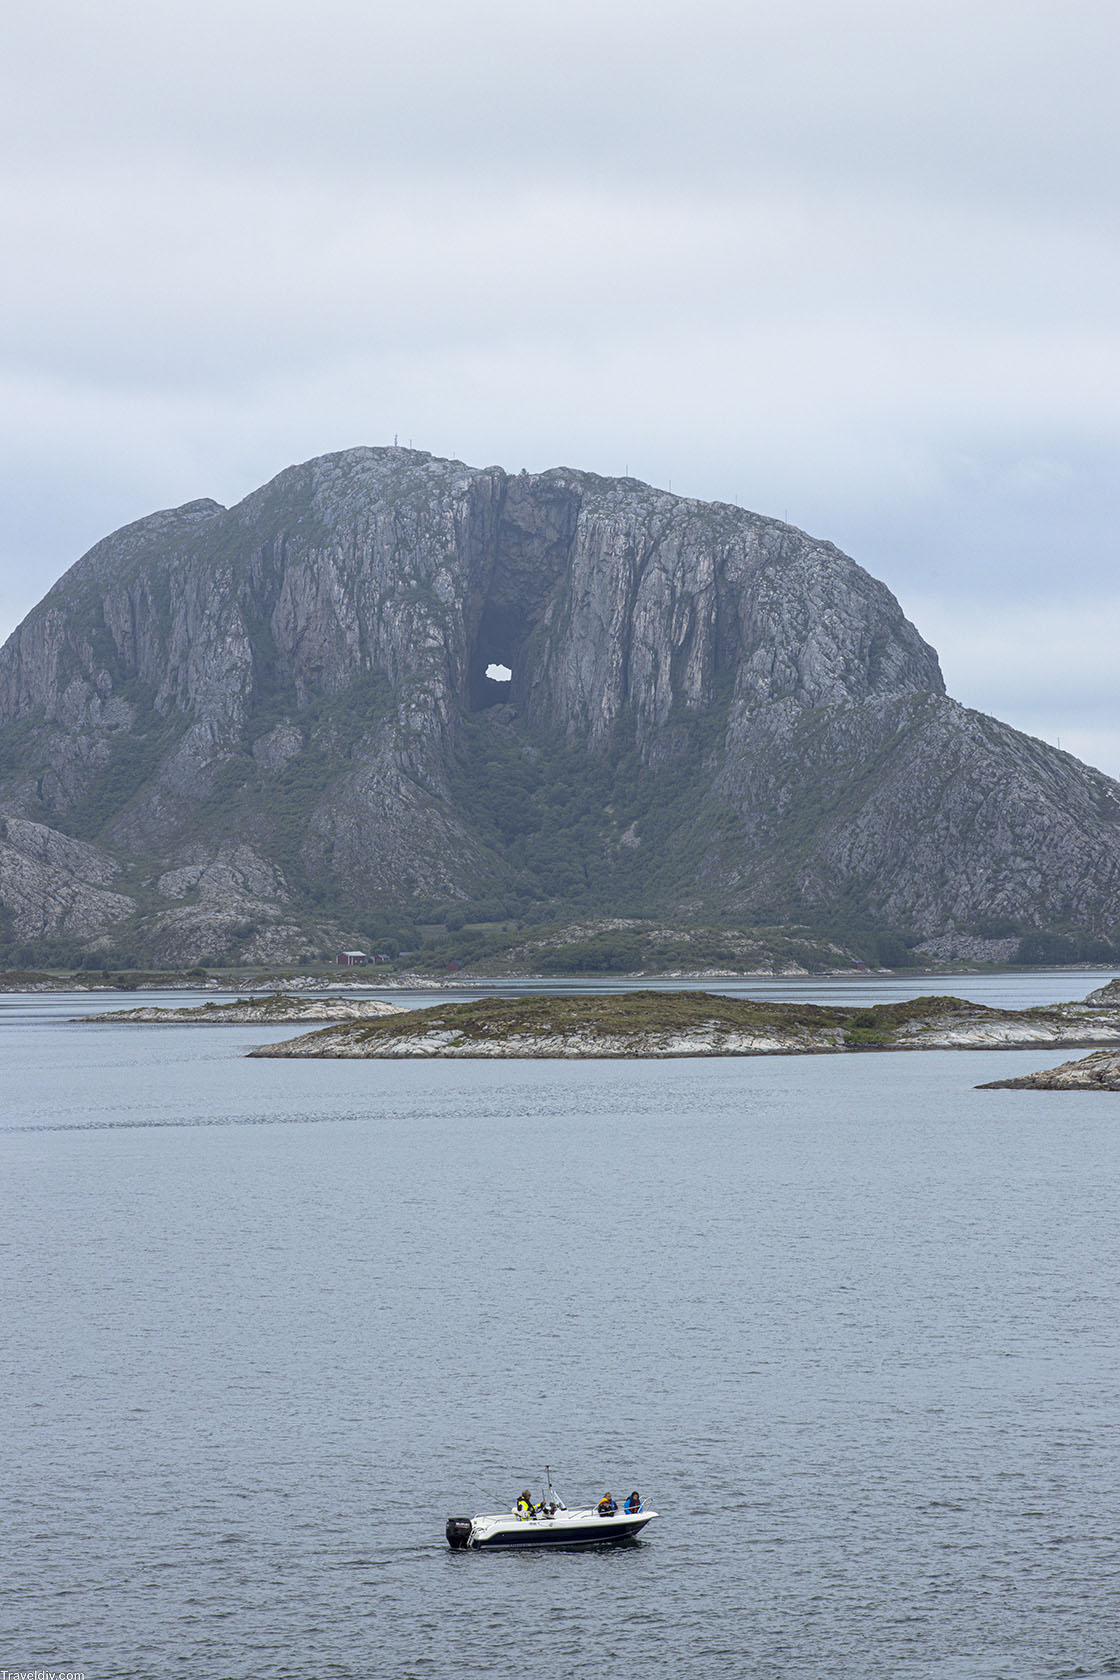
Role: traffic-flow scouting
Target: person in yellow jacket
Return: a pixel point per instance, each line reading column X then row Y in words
column 524, row 1507
column 607, row 1506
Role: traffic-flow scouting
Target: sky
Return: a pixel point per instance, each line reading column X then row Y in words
column 850, row 263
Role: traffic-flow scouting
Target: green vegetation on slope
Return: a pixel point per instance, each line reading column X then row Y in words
column 532, row 946
column 593, row 830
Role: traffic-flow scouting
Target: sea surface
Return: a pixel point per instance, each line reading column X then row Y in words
column 851, row 1326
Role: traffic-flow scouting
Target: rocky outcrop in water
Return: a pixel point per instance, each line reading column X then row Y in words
column 657, row 1024
column 1098, row 1072
column 277, row 1009
column 238, row 730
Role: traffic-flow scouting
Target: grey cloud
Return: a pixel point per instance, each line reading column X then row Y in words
column 1008, row 101
column 184, row 280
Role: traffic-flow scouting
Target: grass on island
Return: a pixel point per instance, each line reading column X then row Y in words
column 273, row 1003
column 653, row 1014
column 279, row 1004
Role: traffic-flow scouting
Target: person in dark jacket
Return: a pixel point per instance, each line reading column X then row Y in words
column 607, row 1506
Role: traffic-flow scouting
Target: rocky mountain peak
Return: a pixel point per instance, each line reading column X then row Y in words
column 307, row 671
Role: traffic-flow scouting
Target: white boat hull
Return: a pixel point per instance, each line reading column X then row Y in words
column 564, row 1528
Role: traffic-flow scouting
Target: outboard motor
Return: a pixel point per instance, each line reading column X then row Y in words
column 459, row 1532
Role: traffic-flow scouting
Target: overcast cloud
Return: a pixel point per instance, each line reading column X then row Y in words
column 855, row 265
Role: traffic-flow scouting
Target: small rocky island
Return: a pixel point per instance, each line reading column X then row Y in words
column 1098, row 1072
column 276, row 1010
column 650, row 1024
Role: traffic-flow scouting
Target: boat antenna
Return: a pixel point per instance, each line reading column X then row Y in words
column 551, row 1491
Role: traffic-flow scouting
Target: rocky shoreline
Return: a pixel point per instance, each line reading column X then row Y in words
column 649, row 1025
column 674, row 1024
column 1098, row 1072
column 276, row 1010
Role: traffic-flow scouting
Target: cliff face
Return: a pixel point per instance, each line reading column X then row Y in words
column 247, row 719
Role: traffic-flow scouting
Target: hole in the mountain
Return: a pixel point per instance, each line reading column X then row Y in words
column 493, row 657
column 497, row 684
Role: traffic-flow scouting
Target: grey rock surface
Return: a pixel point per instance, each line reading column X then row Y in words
column 53, row 885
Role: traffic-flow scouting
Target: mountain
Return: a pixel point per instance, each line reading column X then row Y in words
column 252, row 731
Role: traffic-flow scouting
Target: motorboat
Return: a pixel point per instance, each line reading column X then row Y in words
column 550, row 1523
